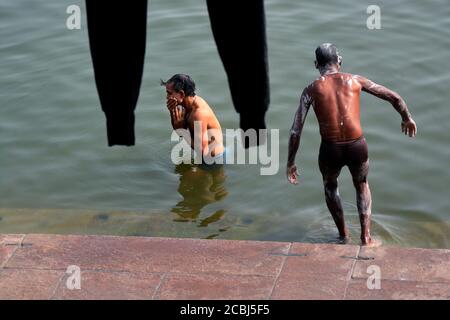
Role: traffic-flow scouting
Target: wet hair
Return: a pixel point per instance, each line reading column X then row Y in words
column 181, row 82
column 327, row 53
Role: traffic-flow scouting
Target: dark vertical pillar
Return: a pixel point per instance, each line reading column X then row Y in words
column 117, row 37
column 240, row 33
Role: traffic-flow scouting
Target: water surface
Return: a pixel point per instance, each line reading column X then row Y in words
column 58, row 175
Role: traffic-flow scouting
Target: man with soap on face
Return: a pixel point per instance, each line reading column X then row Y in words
column 188, row 110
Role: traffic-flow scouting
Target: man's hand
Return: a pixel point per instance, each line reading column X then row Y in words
column 176, row 115
column 177, row 118
column 171, row 104
column 292, row 174
column 409, row 127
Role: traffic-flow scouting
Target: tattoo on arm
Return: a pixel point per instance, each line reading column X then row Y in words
column 297, row 126
column 386, row 94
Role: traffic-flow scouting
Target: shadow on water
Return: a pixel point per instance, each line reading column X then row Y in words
column 200, row 185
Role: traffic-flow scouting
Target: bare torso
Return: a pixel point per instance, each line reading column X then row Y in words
column 201, row 111
column 335, row 100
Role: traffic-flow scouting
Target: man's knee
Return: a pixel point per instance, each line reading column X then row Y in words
column 330, row 185
column 361, row 187
column 359, row 178
column 360, row 181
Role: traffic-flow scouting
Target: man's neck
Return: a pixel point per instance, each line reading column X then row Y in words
column 328, row 69
column 189, row 103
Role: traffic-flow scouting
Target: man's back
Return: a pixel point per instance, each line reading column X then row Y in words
column 202, row 112
column 335, row 99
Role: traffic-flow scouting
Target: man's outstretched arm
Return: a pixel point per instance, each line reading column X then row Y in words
column 408, row 125
column 295, row 134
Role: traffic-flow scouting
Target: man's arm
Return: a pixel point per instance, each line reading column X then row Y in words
column 200, row 121
column 408, row 125
column 295, row 134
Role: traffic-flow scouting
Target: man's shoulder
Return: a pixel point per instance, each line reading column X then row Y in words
column 358, row 79
column 307, row 93
column 201, row 101
column 201, row 112
column 314, row 85
column 310, row 88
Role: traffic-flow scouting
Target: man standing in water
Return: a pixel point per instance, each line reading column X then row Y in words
column 335, row 100
column 194, row 111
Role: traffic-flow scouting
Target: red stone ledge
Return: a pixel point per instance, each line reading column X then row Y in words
column 34, row 267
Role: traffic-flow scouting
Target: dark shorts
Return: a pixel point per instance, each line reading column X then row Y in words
column 334, row 155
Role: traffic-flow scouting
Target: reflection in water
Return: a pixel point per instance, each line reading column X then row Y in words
column 200, row 185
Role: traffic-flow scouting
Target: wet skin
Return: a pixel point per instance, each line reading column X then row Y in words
column 335, row 100
column 195, row 108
